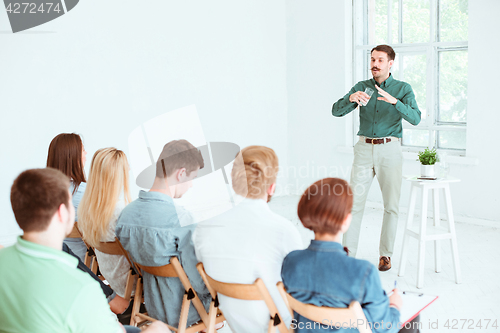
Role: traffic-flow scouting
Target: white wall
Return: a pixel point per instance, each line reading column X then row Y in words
column 315, row 79
column 317, row 44
column 108, row 66
column 259, row 72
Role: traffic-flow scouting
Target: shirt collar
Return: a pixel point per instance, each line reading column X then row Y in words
column 326, row 246
column 155, row 196
column 251, row 202
column 44, row 252
column 386, row 83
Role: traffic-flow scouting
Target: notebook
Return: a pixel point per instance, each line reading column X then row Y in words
column 413, row 304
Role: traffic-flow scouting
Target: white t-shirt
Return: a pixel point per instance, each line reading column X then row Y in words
column 114, row 268
column 245, row 243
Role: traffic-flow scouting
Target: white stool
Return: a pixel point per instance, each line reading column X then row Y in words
column 423, row 235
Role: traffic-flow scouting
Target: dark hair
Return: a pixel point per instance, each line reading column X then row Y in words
column 178, row 154
column 65, row 155
column 391, row 55
column 36, row 195
column 325, row 205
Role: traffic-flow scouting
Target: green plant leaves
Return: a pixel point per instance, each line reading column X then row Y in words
column 428, row 156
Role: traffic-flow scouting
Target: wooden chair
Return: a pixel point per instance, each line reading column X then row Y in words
column 116, row 248
column 90, row 258
column 320, row 314
column 250, row 292
column 173, row 269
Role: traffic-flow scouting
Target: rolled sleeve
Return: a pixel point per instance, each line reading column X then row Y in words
column 343, row 106
column 408, row 107
column 376, row 304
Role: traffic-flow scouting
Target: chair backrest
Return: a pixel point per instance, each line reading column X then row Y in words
column 168, row 270
column 256, row 291
column 174, row 269
column 114, row 248
column 75, row 233
column 325, row 315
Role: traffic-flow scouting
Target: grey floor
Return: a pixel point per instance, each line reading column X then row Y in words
column 463, row 305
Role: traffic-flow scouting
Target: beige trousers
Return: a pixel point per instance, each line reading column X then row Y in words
column 384, row 161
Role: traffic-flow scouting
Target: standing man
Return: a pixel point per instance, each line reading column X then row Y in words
column 378, row 151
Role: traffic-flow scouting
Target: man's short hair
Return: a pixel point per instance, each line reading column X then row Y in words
column 36, row 195
column 255, row 169
column 178, row 154
column 391, row 55
column 325, row 205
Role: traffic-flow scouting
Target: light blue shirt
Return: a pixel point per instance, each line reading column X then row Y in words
column 323, row 275
column 149, row 230
column 77, row 245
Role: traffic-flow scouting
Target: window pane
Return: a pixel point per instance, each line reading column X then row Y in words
column 413, row 137
column 395, row 21
column 453, row 20
column 416, row 21
column 452, row 139
column 377, row 18
column 414, row 71
column 453, row 86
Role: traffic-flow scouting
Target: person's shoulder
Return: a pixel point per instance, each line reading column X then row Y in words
column 363, row 84
column 8, row 255
column 128, row 210
column 402, row 84
column 296, row 256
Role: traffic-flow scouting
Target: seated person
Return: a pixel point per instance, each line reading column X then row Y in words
column 106, row 195
column 67, row 154
column 117, row 304
column 151, row 231
column 249, row 241
column 324, row 275
column 40, row 286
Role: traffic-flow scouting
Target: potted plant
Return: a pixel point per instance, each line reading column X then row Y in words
column 428, row 159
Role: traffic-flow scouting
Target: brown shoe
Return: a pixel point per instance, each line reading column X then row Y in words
column 384, row 263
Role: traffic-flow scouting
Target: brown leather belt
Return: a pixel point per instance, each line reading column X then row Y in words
column 377, row 141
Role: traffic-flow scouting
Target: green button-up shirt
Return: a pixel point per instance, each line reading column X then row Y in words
column 380, row 119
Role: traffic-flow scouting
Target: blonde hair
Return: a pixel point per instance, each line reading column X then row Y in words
column 107, row 177
column 255, row 169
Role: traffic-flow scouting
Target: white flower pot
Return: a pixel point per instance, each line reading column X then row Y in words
column 427, row 170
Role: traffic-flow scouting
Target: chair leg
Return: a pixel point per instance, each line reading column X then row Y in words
column 94, row 265
column 137, row 302
column 184, row 314
column 271, row 328
column 128, row 287
column 87, row 260
column 212, row 318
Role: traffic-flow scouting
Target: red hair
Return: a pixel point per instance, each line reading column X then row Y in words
column 325, row 205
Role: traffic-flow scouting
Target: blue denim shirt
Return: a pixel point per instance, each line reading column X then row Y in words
column 324, row 275
column 149, row 229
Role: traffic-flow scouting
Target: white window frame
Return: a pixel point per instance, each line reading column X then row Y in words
column 360, row 54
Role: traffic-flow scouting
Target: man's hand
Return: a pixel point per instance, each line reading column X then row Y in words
column 385, row 96
column 359, row 97
column 395, row 300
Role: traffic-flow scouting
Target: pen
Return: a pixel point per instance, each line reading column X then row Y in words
column 395, row 284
